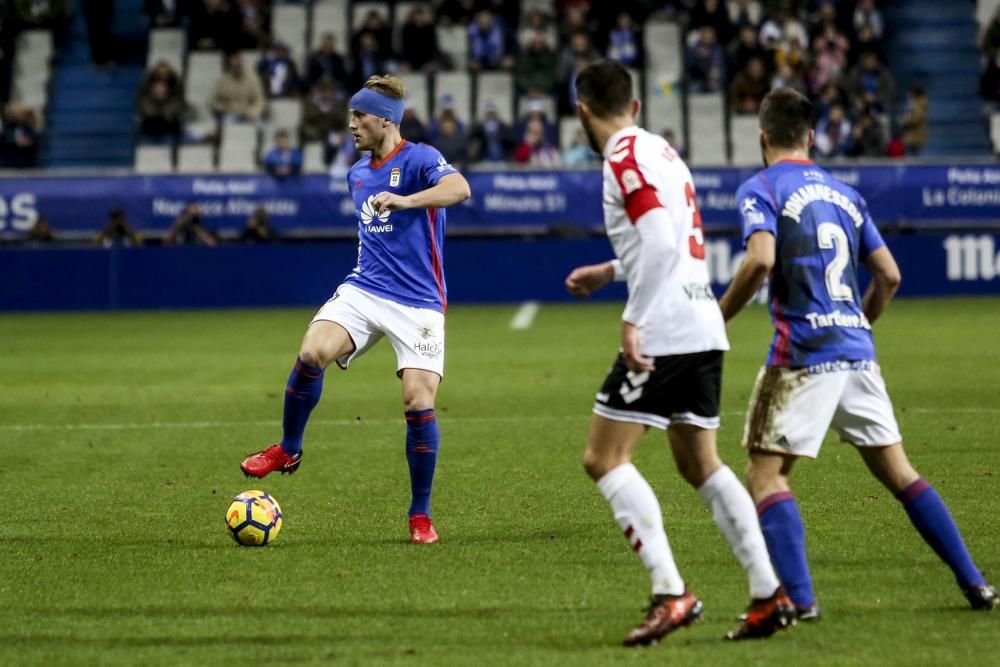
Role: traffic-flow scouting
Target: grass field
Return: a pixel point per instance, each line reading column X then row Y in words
column 121, row 435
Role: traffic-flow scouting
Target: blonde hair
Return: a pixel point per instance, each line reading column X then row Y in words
column 387, row 85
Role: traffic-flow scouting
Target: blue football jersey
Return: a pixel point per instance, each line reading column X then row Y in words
column 400, row 253
column 822, row 228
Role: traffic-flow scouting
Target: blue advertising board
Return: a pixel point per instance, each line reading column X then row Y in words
column 898, row 196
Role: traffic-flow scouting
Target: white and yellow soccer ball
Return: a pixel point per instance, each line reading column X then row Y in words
column 253, row 518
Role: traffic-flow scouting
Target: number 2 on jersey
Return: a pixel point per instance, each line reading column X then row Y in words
column 832, row 237
column 696, row 242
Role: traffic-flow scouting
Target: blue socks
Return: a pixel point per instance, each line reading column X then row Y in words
column 785, row 536
column 305, row 384
column 931, row 519
column 422, row 440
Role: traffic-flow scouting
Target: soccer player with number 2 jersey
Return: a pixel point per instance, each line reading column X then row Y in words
column 669, row 372
column 808, row 232
column 397, row 291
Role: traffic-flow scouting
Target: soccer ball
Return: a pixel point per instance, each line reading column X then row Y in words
column 253, row 518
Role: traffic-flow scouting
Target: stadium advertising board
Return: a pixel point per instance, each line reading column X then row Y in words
column 963, row 196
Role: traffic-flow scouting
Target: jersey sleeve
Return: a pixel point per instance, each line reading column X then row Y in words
column 757, row 209
column 639, row 196
column 433, row 165
column 871, row 239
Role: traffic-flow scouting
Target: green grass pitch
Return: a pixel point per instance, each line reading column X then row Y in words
column 121, row 435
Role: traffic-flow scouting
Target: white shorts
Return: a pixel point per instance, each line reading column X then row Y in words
column 416, row 334
column 791, row 409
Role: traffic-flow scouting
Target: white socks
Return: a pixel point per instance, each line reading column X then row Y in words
column 638, row 514
column 735, row 514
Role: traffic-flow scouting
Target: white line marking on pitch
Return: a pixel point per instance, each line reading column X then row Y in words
column 524, row 316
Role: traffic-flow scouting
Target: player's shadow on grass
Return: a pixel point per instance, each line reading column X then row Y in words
column 454, row 538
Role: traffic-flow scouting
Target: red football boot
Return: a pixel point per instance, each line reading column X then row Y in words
column 422, row 530
column 271, row 459
column 766, row 616
column 666, row 613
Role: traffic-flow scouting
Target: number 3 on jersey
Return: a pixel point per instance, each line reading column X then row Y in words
column 696, row 242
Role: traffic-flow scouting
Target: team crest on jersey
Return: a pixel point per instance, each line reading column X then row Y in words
column 394, row 177
column 368, row 214
column 751, row 214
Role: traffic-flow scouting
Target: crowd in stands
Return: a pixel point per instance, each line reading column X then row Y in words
column 989, row 82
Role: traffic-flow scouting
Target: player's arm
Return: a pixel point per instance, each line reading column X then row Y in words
column 450, row 189
column 751, row 275
column 885, row 282
column 585, row 280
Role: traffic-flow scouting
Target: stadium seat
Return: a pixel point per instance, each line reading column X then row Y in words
column 167, row 44
column 360, row 10
column 31, row 89
column 548, row 106
column 496, row 87
column 707, row 129
column 418, row 94
column 203, row 70
column 288, row 26
column 662, row 100
column 568, row 125
column 453, row 89
column 35, row 45
column 312, row 158
column 995, row 131
column 285, row 114
column 663, row 49
column 153, row 160
column 330, row 16
column 743, row 131
column 238, row 149
column 454, row 43
column 195, row 159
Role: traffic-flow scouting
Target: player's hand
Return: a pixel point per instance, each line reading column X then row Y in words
column 630, row 350
column 389, row 201
column 585, row 280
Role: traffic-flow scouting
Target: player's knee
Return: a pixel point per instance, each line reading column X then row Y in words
column 759, row 481
column 311, row 357
column 595, row 464
column 417, row 398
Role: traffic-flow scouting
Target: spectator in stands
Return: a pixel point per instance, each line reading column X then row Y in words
column 989, row 82
column 412, row 129
column 914, row 121
column 99, row 16
column 578, row 47
column 278, row 74
column 418, row 42
column 324, row 119
column 866, row 13
column 778, row 31
column 712, row 13
column 744, row 13
column 829, row 58
column 164, row 73
column 41, row 232
column 744, row 48
column 833, row 133
column 256, row 21
column 160, row 114
column 536, row 69
column 238, row 94
column 326, row 63
column 623, row 42
column 117, row 232
column 535, row 149
column 189, row 228
column 453, row 12
column 283, row 160
column 870, row 81
column 491, row 140
column 488, row 47
column 447, row 110
column 749, row 87
column 21, row 141
column 867, row 136
column 863, row 42
column 829, row 95
column 215, row 24
column 449, row 139
column 706, row 63
column 574, row 20
column 788, row 77
column 367, row 61
column 258, row 229
column 534, row 108
column 579, row 153
column 165, row 13
column 375, row 26
column 537, row 20
column 991, row 37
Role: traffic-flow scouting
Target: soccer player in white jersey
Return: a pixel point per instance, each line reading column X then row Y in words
column 397, row 290
column 669, row 371
column 808, row 232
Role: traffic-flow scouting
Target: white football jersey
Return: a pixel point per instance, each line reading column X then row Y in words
column 670, row 296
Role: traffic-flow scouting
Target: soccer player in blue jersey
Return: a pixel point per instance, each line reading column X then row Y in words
column 397, row 290
column 808, row 232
